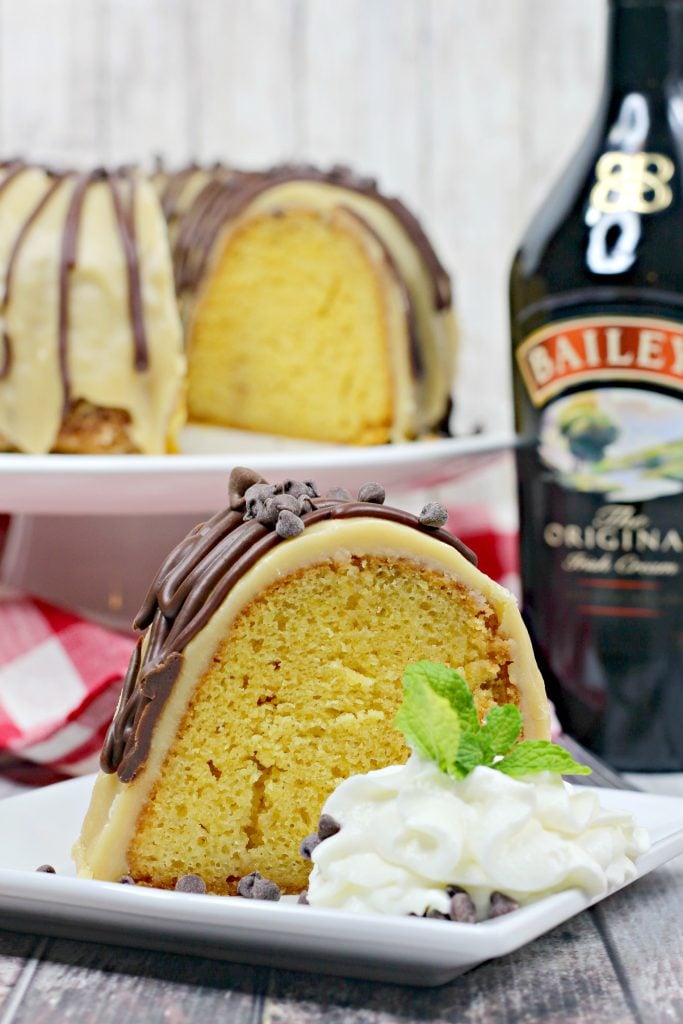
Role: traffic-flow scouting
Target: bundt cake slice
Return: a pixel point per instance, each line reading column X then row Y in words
column 276, row 637
column 91, row 348
column 314, row 306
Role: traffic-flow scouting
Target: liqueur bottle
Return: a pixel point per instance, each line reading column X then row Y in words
column 596, row 295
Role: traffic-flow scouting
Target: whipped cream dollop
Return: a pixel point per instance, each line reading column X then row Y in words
column 409, row 831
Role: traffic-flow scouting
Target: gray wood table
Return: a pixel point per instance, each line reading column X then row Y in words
column 621, row 962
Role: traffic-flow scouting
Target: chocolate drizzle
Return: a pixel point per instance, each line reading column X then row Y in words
column 125, row 220
column 68, row 255
column 67, row 261
column 12, row 169
column 11, row 263
column 189, row 588
column 171, row 193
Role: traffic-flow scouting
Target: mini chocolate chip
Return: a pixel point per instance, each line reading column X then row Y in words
column 128, row 880
column 308, row 845
column 288, row 525
column 255, row 887
column 452, row 889
column 241, row 479
column 463, row 909
column 303, row 898
column 339, row 494
column 265, row 890
column 433, row 514
column 190, row 883
column 501, row 904
column 327, row 827
column 255, row 497
column 246, row 884
column 268, row 511
column 287, row 501
column 47, row 869
column 436, row 914
column 300, row 488
column 374, row 493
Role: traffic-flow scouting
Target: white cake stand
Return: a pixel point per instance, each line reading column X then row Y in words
column 89, row 532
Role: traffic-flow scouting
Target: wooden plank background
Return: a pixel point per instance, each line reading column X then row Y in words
column 466, row 108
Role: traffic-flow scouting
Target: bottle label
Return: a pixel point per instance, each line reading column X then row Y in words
column 632, row 181
column 608, row 450
column 600, row 348
column 620, row 541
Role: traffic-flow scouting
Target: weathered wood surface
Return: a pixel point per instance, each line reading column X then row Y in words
column 468, row 110
column 619, row 963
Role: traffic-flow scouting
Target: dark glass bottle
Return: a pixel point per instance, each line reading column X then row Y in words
column 596, row 296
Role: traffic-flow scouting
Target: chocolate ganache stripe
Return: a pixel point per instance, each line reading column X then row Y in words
column 6, row 362
column 117, row 734
column 67, row 261
column 226, row 546
column 125, row 221
column 202, row 224
column 12, row 169
column 171, row 197
column 199, row 230
column 165, row 591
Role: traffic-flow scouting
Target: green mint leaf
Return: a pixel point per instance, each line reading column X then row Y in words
column 429, row 723
column 532, row 756
column 470, row 754
column 448, row 684
column 501, row 730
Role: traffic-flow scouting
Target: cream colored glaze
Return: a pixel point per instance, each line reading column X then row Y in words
column 100, row 337
column 435, row 328
column 115, row 806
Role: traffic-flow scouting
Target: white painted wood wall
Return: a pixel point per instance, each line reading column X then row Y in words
column 465, row 108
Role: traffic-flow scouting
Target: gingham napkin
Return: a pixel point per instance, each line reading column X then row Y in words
column 59, row 682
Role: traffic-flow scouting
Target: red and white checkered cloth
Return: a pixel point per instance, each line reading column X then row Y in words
column 60, row 679
column 60, row 676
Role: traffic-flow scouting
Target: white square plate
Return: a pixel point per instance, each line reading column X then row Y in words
column 40, row 826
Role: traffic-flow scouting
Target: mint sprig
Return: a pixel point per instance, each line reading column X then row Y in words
column 439, row 719
column 429, row 723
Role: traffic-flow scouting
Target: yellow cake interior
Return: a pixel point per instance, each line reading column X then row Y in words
column 302, row 693
column 291, row 332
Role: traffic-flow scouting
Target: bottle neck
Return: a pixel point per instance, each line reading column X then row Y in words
column 644, row 45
